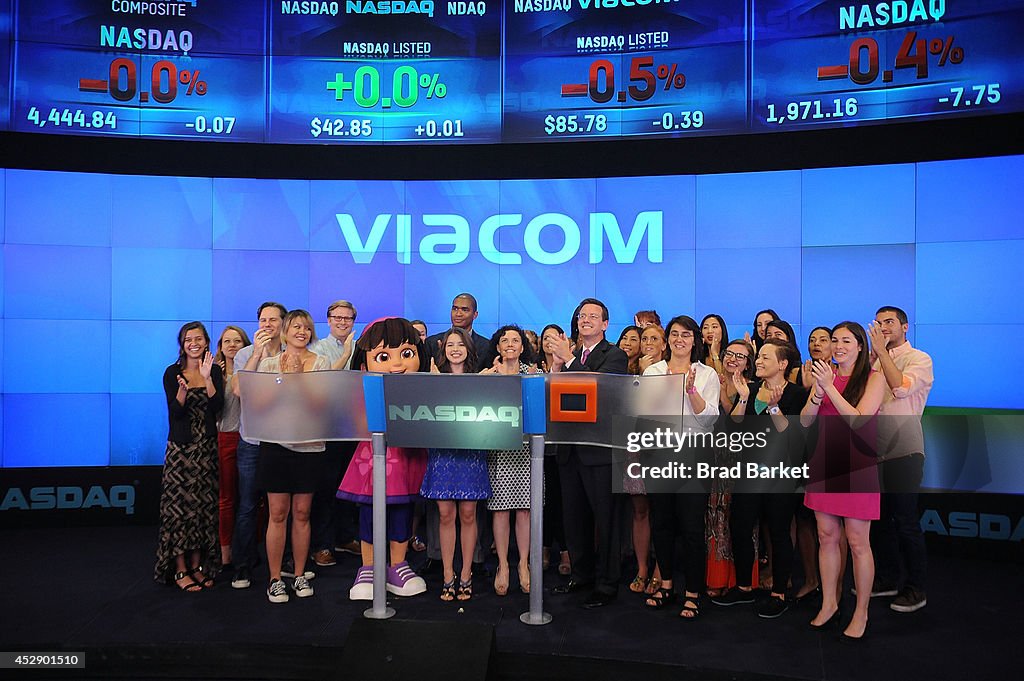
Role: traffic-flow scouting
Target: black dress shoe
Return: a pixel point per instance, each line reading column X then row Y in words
column 843, row 638
column 598, row 599
column 572, row 586
column 832, row 621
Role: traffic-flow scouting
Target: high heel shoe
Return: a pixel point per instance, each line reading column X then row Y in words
column 524, row 578
column 828, row 624
column 843, row 638
column 501, row 581
column 846, row 638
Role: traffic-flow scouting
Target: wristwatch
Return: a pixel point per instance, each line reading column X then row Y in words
column 774, row 411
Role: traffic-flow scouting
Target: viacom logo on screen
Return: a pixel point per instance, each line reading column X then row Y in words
column 446, row 239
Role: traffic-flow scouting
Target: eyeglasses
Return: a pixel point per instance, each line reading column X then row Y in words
column 341, row 318
column 685, row 335
column 729, row 354
column 592, row 316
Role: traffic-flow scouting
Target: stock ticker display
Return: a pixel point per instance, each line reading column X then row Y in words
column 487, row 71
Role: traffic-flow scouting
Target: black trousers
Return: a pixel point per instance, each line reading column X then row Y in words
column 678, row 520
column 897, row 534
column 333, row 520
column 777, row 509
column 590, row 507
column 554, row 528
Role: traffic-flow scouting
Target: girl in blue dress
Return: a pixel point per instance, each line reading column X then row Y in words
column 457, row 479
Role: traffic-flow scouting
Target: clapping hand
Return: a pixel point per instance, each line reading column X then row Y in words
column 561, row 348
column 822, row 376
column 647, row 360
column 740, row 383
column 807, row 375
column 182, row 389
column 691, row 378
column 433, row 367
column 262, row 341
column 206, row 366
column 775, row 394
column 878, row 341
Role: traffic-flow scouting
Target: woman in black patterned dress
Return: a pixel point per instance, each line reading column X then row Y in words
column 188, row 551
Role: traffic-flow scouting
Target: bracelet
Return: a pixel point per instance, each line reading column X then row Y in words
column 691, row 390
column 743, row 401
column 813, row 402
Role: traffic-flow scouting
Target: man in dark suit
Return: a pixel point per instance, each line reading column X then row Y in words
column 586, row 471
column 464, row 313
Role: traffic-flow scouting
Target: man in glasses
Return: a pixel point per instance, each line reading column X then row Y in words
column 337, row 346
column 333, row 520
column 586, row 471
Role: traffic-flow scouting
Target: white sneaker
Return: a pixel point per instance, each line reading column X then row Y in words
column 242, row 579
column 301, row 587
column 362, row 589
column 277, row 592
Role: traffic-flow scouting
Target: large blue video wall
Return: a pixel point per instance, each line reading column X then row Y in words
column 99, row 271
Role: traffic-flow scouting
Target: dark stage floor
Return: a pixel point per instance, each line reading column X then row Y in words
column 91, row 590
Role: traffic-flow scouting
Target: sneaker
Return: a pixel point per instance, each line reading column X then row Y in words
column 734, row 596
column 288, row 570
column 349, row 547
column 277, row 592
column 402, row 581
column 878, row 589
column 362, row 588
column 324, row 558
column 772, row 607
column 909, row 600
column 301, row 587
column 242, row 578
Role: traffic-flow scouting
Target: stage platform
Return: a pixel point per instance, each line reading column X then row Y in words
column 91, row 590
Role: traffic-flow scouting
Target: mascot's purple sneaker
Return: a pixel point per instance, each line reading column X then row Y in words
column 362, row 589
column 402, row 581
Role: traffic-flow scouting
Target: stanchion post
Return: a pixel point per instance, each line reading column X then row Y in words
column 534, row 423
column 376, row 421
column 380, row 609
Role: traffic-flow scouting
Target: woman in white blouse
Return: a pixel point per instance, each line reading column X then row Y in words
column 683, row 513
column 290, row 473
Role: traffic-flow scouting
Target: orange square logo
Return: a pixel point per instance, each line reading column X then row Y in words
column 587, row 390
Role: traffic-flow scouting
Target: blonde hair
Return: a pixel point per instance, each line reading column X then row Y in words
column 304, row 316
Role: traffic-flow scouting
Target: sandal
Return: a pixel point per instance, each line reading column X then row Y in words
column 639, row 584
column 660, row 598
column 416, row 544
column 465, row 591
column 448, row 591
column 564, row 566
column 691, row 605
column 192, row 586
column 653, row 585
column 501, row 581
column 203, row 581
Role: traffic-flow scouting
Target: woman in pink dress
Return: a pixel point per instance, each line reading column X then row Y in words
column 843, row 486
